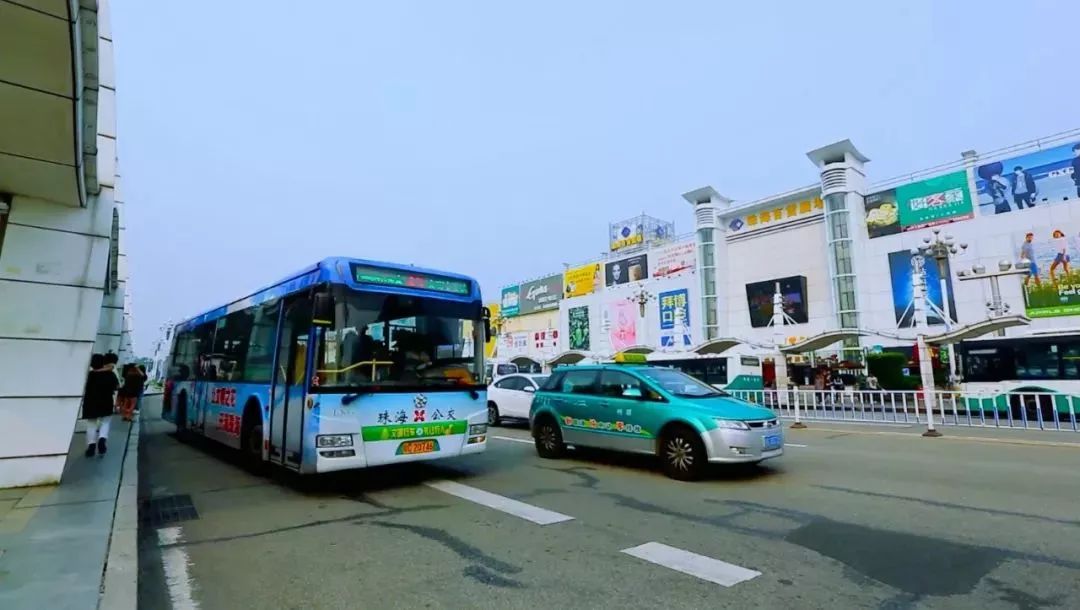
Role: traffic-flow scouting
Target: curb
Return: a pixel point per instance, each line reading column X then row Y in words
column 120, row 580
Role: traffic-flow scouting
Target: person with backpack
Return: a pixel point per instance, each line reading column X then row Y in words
column 97, row 410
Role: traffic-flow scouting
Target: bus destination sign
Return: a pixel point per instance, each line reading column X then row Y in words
column 366, row 274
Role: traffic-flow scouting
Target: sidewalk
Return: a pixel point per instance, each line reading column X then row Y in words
column 73, row 545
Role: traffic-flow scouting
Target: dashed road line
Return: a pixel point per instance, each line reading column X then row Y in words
column 512, row 439
column 706, row 568
column 540, row 516
column 974, row 439
column 795, row 445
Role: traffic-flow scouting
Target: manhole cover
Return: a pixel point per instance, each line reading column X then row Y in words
column 166, row 510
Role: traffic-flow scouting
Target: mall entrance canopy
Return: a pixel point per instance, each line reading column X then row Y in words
column 957, row 334
column 568, row 358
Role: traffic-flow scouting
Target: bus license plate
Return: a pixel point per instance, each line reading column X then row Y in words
column 415, row 447
column 772, row 442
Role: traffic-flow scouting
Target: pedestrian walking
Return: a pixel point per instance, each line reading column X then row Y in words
column 130, row 391
column 97, row 409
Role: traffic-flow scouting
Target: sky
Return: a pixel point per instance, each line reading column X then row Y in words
column 498, row 139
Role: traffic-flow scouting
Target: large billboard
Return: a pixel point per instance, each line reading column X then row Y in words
column 638, row 231
column 624, row 271
column 579, row 328
column 1039, row 178
column 675, row 318
column 1052, row 286
column 919, row 205
column 540, row 295
column 759, row 298
column 900, row 273
column 510, row 301
column 674, row 260
column 580, row 281
column 621, row 324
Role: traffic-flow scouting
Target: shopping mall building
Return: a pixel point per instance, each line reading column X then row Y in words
column 839, row 252
column 62, row 267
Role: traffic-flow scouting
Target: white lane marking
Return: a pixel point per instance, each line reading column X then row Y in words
column 175, row 562
column 706, row 568
column 516, row 440
column 540, row 516
column 793, row 445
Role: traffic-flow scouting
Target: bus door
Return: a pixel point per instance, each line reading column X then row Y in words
column 290, row 382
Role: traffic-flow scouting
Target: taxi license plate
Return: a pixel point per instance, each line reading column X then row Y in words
column 415, row 447
column 772, row 441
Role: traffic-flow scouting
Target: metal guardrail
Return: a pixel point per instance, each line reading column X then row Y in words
column 1020, row 410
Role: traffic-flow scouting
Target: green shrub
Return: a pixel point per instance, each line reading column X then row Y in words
column 888, row 367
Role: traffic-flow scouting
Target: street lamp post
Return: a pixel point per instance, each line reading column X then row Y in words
column 926, row 371
column 996, row 306
column 642, row 298
column 941, row 248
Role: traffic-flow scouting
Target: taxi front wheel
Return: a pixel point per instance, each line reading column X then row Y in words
column 682, row 453
column 548, row 437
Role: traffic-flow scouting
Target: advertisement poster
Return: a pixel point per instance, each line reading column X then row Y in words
column 902, row 291
column 674, row 260
column 1042, row 177
column 540, row 295
column 580, row 281
column 1052, row 287
column 927, row 203
column 579, row 328
column 675, row 318
column 546, row 342
column 622, row 324
column 759, row 298
column 510, row 301
column 626, row 233
column 631, row 269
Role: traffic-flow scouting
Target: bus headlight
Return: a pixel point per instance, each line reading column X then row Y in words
column 475, row 429
column 333, row 440
column 731, row 424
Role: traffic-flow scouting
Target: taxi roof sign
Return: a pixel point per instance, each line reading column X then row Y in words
column 625, row 358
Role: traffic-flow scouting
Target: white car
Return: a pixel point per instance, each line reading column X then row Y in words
column 511, row 396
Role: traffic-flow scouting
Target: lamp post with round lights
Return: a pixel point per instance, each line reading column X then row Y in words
column 996, row 306
column 642, row 298
column 941, row 248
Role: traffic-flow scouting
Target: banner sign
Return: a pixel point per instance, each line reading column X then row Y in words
column 631, row 269
column 777, row 214
column 580, row 281
column 579, row 328
column 675, row 319
column 919, row 205
column 540, row 295
column 1039, row 178
column 674, row 260
column 511, row 297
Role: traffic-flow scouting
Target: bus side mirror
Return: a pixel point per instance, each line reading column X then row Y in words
column 486, row 314
column 322, row 310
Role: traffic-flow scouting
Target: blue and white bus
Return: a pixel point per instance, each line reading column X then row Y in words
column 346, row 364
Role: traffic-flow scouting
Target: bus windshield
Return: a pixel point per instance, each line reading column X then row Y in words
column 389, row 342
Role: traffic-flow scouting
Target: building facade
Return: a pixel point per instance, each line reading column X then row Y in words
column 63, row 269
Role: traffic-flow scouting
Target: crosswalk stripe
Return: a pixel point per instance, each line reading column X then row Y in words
column 706, row 568
column 540, row 516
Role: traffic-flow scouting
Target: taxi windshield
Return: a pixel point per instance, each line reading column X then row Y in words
column 680, row 384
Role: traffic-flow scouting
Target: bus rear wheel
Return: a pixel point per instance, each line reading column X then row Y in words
column 251, row 439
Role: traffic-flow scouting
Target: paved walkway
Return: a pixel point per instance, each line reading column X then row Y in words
column 54, row 539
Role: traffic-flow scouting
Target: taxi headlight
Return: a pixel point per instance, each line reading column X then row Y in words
column 731, row 424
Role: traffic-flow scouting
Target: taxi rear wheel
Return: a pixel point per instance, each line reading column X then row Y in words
column 683, row 453
column 548, row 438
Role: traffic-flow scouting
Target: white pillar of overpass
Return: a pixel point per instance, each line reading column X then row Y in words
column 58, row 297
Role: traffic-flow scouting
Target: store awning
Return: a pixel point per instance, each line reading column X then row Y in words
column 569, row 357
column 519, row 360
column 825, row 339
column 717, row 346
column 638, row 349
column 978, row 329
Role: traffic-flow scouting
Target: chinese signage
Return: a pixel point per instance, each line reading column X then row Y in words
column 632, row 269
column 1052, row 286
column 510, row 302
column 369, row 274
column 675, row 318
column 781, row 213
column 674, row 260
column 540, row 295
column 638, row 231
column 579, row 328
column 1039, row 178
column 580, row 281
column 919, row 205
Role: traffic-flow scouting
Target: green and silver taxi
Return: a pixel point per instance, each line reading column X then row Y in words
column 660, row 411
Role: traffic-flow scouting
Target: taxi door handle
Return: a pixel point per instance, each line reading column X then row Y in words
column 581, row 403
